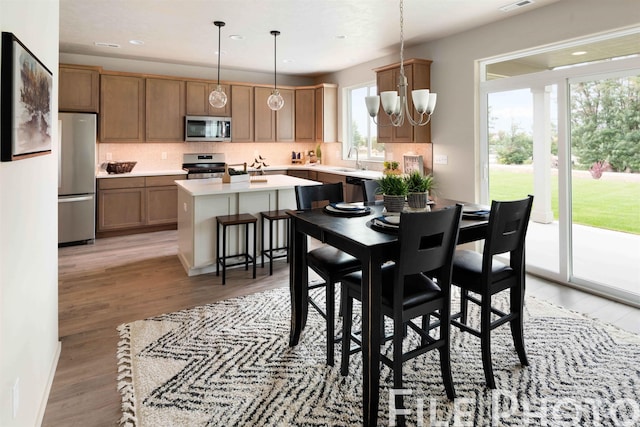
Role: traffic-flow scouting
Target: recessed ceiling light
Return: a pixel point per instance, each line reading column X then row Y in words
column 236, row 37
column 578, row 53
column 104, row 44
column 341, row 37
column 288, row 61
column 136, row 42
column 222, row 52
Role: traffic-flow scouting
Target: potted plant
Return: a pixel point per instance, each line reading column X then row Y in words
column 391, row 168
column 418, row 187
column 394, row 189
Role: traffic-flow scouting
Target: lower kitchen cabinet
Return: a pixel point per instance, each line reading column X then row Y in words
column 136, row 204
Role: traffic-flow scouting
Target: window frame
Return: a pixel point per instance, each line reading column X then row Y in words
column 372, row 89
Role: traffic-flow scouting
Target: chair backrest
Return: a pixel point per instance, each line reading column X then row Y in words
column 428, row 242
column 312, row 196
column 508, row 222
column 369, row 190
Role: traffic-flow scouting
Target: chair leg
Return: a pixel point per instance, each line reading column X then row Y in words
column 463, row 305
column 517, row 324
column 255, row 237
column 347, row 306
column 485, row 340
column 445, row 353
column 330, row 310
column 398, row 336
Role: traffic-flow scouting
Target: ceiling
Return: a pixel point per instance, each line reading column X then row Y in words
column 317, row 36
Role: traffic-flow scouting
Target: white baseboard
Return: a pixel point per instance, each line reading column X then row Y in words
column 52, row 374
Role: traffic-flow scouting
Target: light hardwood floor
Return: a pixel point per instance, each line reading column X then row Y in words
column 122, row 279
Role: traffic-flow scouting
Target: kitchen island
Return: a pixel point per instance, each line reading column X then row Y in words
column 200, row 201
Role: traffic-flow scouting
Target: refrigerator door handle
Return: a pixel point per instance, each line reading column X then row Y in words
column 59, row 153
column 74, row 199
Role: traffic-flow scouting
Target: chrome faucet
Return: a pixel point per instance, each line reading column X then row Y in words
column 353, row 149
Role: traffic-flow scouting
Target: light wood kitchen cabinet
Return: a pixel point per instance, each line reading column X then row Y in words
column 242, row 113
column 122, row 108
column 198, row 99
column 121, row 203
column 136, row 204
column 286, row 117
column 165, row 110
column 317, row 113
column 306, row 115
column 417, row 72
column 78, row 88
column 326, row 114
column 274, row 125
column 162, row 199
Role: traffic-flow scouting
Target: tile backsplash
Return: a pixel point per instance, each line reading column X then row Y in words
column 168, row 156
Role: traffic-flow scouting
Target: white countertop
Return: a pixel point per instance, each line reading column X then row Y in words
column 134, row 172
column 338, row 170
column 205, row 187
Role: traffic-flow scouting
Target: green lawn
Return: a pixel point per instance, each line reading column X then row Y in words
column 602, row 203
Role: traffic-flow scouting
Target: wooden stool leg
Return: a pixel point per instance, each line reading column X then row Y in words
column 255, row 237
column 224, row 254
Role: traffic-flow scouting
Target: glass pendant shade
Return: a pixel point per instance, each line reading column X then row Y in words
column 389, row 100
column 373, row 103
column 275, row 100
column 218, row 98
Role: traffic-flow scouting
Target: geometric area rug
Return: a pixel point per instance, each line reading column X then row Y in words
column 229, row 364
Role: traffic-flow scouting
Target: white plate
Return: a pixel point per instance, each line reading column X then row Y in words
column 383, row 224
column 349, row 206
column 392, row 219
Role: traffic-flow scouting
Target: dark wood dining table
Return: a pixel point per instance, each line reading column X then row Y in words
column 355, row 235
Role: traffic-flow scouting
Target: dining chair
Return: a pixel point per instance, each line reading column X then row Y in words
column 329, row 263
column 369, row 190
column 427, row 242
column 485, row 276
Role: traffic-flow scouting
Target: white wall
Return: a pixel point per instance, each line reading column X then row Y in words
column 29, row 237
column 454, row 128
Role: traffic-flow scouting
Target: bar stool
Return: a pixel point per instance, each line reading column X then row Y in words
column 272, row 216
column 227, row 221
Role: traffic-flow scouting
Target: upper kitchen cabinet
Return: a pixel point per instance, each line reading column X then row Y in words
column 78, row 88
column 122, row 108
column 274, row 125
column 306, row 115
column 165, row 110
column 198, row 99
column 242, row 113
column 417, row 72
column 326, row 101
column 317, row 113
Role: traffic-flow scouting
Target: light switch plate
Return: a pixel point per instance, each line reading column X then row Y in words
column 441, row 159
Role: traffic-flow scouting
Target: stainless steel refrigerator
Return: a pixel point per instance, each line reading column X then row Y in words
column 76, row 178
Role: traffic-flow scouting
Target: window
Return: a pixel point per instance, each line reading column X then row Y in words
column 361, row 132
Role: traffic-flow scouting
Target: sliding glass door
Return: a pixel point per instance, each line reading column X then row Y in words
column 570, row 137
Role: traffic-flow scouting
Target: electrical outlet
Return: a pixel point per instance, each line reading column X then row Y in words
column 164, row 155
column 109, row 156
column 15, row 397
column 441, row 159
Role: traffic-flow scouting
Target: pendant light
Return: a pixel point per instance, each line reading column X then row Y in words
column 218, row 98
column 394, row 104
column 275, row 101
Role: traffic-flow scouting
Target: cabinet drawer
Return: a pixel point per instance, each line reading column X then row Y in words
column 108, row 183
column 163, row 180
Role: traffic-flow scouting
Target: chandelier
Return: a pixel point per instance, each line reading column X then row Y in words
column 218, row 98
column 275, row 100
column 394, row 104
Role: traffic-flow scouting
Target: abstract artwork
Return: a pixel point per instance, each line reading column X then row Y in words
column 26, row 117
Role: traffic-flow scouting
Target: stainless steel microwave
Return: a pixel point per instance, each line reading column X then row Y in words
column 207, row 128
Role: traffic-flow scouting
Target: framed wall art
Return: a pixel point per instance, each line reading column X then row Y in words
column 25, row 114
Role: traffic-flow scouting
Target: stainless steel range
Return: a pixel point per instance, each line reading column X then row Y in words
column 203, row 165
